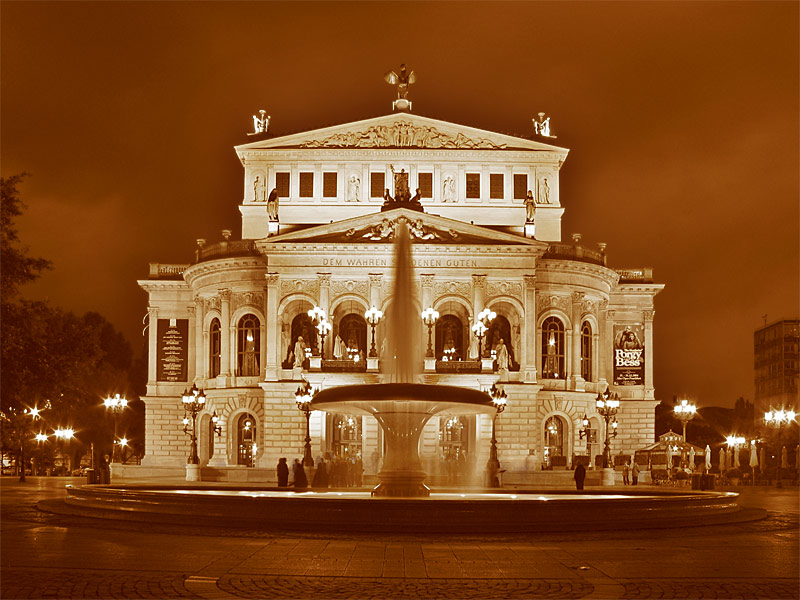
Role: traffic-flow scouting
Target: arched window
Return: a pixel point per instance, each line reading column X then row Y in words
column 448, row 344
column 346, row 430
column 214, row 348
column 352, row 339
column 586, row 351
column 246, row 440
column 248, row 346
column 553, row 349
column 553, row 437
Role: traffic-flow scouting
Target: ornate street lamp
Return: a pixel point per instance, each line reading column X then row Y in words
column 607, row 406
column 324, row 328
column 429, row 317
column 216, row 426
column 777, row 419
column 499, row 399
column 194, row 400
column 373, row 317
column 485, row 317
column 316, row 314
column 685, row 412
column 116, row 404
column 584, row 433
column 304, row 395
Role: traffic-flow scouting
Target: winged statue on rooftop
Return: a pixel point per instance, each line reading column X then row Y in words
column 401, row 80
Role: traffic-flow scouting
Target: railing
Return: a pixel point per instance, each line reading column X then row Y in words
column 635, row 275
column 167, row 271
column 570, row 252
column 227, row 248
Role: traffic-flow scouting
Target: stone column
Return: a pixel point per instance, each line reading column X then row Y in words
column 478, row 296
column 272, row 342
column 225, row 331
column 649, row 388
column 529, row 330
column 324, row 302
column 375, row 288
column 427, row 291
column 575, row 378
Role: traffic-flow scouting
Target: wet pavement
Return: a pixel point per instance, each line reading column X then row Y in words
column 55, row 556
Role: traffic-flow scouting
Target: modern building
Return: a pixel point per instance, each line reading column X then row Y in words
column 776, row 349
column 318, row 212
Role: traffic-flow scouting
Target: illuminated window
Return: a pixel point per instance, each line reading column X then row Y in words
column 376, row 185
column 248, row 346
column 214, row 348
column 282, row 184
column 246, row 440
column 329, row 187
column 425, row 181
column 520, row 186
column 473, row 185
column 496, row 185
column 586, row 351
column 554, row 437
column 306, row 185
column 553, row 349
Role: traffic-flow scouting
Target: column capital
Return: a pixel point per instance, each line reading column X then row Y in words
column 427, row 279
column 530, row 280
column 577, row 297
column 324, row 279
column 648, row 315
column 224, row 294
column 375, row 278
column 479, row 281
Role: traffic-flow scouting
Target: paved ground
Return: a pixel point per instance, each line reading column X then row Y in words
column 50, row 556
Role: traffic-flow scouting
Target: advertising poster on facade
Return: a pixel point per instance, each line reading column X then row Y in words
column 173, row 349
column 629, row 354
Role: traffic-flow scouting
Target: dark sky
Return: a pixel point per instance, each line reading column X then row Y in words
column 681, row 118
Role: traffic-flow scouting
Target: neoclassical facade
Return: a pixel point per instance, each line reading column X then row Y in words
column 318, row 215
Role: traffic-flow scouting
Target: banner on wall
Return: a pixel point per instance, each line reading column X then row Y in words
column 629, row 354
column 172, row 350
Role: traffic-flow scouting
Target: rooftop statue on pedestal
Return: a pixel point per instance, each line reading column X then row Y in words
column 402, row 81
column 260, row 124
column 542, row 126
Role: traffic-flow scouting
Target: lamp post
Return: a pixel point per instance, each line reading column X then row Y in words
column 607, row 406
column 479, row 329
column 685, row 412
column 116, row 404
column 499, row 399
column 429, row 317
column 373, row 317
column 485, row 317
column 194, row 400
column 324, row 328
column 304, row 395
column 777, row 419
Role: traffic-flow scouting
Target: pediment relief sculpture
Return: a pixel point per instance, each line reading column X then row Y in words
column 401, row 134
column 384, row 231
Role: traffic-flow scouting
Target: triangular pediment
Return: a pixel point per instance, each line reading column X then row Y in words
column 378, row 228
column 400, row 130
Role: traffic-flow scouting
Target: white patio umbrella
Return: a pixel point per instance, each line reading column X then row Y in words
column 735, row 463
column 753, row 456
column 723, row 459
column 784, row 458
column 669, row 456
column 708, row 458
column 691, row 458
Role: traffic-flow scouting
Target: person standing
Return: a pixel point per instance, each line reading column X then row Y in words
column 579, row 476
column 300, row 479
column 321, row 476
column 283, row 473
column 625, row 473
column 635, row 474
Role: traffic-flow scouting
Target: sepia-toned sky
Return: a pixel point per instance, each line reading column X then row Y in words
column 681, row 119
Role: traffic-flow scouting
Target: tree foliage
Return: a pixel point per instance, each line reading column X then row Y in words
column 16, row 267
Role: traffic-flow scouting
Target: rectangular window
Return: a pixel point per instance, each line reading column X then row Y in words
column 329, row 185
column 496, row 185
column 473, row 185
column 306, row 185
column 282, row 184
column 520, row 186
column 425, row 181
column 376, row 185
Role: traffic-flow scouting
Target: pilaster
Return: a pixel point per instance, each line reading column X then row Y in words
column 649, row 388
column 529, row 329
column 576, row 380
column 273, row 350
column 225, row 331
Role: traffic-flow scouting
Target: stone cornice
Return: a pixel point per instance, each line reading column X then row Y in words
column 222, row 265
column 156, row 285
column 559, row 266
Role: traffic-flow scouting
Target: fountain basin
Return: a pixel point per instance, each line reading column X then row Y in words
column 402, row 410
column 347, row 511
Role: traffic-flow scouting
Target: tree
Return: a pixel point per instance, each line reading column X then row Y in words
column 16, row 267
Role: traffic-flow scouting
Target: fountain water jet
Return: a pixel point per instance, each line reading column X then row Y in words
column 402, row 407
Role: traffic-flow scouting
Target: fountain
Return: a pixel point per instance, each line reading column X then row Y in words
column 402, row 407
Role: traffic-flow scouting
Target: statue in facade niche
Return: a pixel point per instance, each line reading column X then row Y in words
column 259, row 189
column 449, row 190
column 544, row 192
column 299, row 351
column 272, row 205
column 402, row 80
column 401, row 191
column 530, row 207
column 353, row 189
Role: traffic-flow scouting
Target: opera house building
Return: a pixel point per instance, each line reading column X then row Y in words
column 302, row 297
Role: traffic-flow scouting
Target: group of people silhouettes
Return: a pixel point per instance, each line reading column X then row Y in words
column 335, row 472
